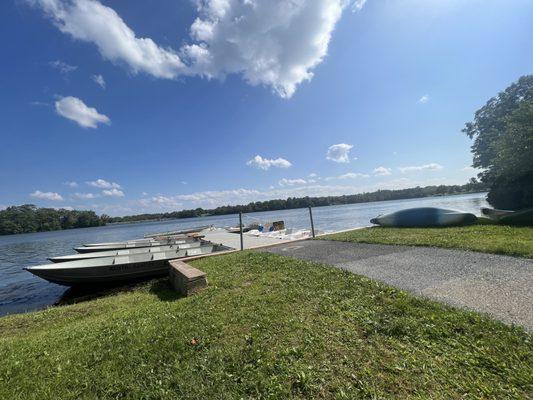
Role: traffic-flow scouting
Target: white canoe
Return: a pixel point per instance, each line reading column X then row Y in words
column 125, row 252
column 131, row 245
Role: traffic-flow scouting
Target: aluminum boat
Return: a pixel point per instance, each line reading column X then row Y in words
column 106, row 270
column 94, row 247
column 125, row 252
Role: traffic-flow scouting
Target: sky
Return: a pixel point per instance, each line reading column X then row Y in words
column 133, row 107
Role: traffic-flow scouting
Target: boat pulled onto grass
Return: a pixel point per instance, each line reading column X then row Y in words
column 109, row 263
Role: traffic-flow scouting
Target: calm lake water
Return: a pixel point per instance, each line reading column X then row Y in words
column 20, row 291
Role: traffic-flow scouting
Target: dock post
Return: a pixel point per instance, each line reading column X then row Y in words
column 312, row 223
column 240, row 229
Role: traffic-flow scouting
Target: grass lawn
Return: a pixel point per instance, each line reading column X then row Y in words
column 267, row 327
column 498, row 239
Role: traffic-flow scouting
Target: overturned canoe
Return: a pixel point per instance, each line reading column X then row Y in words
column 505, row 217
column 494, row 213
column 106, row 270
column 424, row 217
column 125, row 252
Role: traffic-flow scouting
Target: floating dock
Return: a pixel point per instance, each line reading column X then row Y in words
column 233, row 240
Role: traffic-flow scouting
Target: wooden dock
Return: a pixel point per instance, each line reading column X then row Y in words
column 221, row 236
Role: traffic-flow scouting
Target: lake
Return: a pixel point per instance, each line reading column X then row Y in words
column 20, row 291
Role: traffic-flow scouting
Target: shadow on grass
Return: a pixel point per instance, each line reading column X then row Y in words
column 80, row 294
column 164, row 291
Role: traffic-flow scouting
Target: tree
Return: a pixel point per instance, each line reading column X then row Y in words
column 502, row 131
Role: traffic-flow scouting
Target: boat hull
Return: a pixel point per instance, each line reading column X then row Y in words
column 104, row 275
column 424, row 217
column 105, row 270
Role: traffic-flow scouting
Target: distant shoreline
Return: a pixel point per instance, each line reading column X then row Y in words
column 13, row 221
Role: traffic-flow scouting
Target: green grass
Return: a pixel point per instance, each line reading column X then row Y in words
column 498, row 239
column 267, row 327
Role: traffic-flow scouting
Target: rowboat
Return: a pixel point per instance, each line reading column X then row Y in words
column 140, row 241
column 125, row 252
column 424, row 217
column 107, row 270
column 131, row 245
column 181, row 232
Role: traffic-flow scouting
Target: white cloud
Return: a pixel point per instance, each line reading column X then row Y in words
column 75, row 109
column 91, row 21
column 85, row 196
column 353, row 175
column 103, row 184
column 52, row 196
column 2, row 207
column 164, row 201
column 349, row 175
column 358, row 5
column 382, row 171
column 424, row 99
column 71, row 184
column 339, row 153
column 276, row 43
column 144, row 194
column 291, row 182
column 313, row 175
column 266, row 163
column 99, row 80
column 62, row 67
column 425, row 167
column 113, row 192
column 471, row 169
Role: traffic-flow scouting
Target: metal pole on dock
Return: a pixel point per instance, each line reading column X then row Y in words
column 312, row 223
column 240, row 229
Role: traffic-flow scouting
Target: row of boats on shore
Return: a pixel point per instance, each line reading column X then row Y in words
column 105, row 263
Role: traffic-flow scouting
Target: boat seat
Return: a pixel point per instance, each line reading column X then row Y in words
column 193, row 252
column 158, row 256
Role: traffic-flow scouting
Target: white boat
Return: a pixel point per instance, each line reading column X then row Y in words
column 125, row 252
column 106, row 270
column 94, row 247
column 180, row 232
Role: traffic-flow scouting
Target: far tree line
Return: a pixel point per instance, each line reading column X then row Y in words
column 301, row 202
column 28, row 218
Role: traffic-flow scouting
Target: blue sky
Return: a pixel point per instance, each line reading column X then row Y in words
column 129, row 107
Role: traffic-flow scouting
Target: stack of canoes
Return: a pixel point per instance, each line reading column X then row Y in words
column 103, row 263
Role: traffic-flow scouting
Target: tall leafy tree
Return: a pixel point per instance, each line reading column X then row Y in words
column 502, row 131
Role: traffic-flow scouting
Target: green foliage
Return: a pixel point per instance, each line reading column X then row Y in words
column 266, row 327
column 28, row 218
column 484, row 237
column 302, row 202
column 503, row 145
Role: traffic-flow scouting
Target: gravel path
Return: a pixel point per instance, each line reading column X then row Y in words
column 501, row 286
